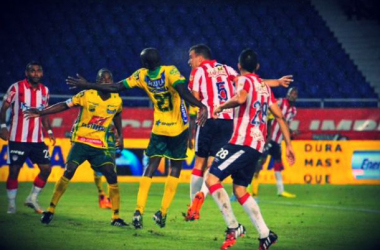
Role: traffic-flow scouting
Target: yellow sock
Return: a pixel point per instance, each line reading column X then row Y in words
column 60, row 188
column 142, row 195
column 115, row 199
column 255, row 184
column 98, row 184
column 170, row 190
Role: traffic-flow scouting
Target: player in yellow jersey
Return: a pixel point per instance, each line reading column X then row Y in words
column 166, row 88
column 97, row 110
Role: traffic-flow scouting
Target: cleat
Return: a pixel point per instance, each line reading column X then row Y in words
column 104, row 202
column 231, row 235
column 46, row 217
column 137, row 220
column 11, row 208
column 33, row 204
column 196, row 205
column 265, row 243
column 287, row 195
column 119, row 223
column 159, row 219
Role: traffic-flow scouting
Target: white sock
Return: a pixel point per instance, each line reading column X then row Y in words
column 252, row 209
column 204, row 188
column 195, row 185
column 223, row 200
column 279, row 183
column 11, row 193
column 34, row 192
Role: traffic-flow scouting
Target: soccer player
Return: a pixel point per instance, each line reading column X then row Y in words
column 289, row 111
column 97, row 111
column 25, row 135
column 166, row 88
column 238, row 158
column 213, row 84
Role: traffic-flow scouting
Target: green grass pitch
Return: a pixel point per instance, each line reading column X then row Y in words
column 321, row 217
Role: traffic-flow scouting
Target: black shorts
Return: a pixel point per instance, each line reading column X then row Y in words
column 235, row 160
column 273, row 149
column 212, row 136
column 37, row 152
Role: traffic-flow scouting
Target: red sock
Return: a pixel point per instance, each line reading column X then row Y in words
column 38, row 182
column 12, row 183
column 197, row 172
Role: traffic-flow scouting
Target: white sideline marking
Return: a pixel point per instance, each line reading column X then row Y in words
column 364, row 210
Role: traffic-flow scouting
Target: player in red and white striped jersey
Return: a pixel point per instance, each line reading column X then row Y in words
column 289, row 111
column 239, row 157
column 25, row 135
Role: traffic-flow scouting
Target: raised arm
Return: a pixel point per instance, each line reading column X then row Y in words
column 283, row 81
column 82, row 83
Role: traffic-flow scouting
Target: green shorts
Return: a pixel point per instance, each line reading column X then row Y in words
column 172, row 147
column 97, row 157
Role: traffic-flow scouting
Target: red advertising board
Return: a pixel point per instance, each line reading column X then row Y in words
column 317, row 124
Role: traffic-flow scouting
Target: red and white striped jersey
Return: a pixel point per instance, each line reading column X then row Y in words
column 22, row 96
column 289, row 113
column 214, row 82
column 250, row 122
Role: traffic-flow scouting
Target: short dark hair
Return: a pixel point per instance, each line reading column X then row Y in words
column 150, row 58
column 101, row 72
column 201, row 49
column 29, row 65
column 248, row 60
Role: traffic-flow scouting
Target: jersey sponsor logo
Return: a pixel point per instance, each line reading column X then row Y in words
column 174, row 71
column 136, row 75
column 95, row 123
column 366, row 165
column 159, row 123
column 26, row 107
column 256, row 134
column 90, row 140
column 17, row 152
column 183, row 113
column 157, row 85
column 217, row 71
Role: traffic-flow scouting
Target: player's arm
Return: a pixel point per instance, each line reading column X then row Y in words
column 117, row 123
column 285, row 131
column 283, row 81
column 46, row 124
column 236, row 100
column 56, row 108
column 185, row 94
column 82, row 83
column 4, row 133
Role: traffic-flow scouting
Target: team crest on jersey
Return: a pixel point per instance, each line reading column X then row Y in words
column 174, row 71
column 136, row 75
column 14, row 157
column 92, row 108
column 111, row 109
column 217, row 71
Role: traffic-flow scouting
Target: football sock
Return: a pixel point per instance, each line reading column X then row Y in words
column 195, row 182
column 170, row 190
column 98, row 184
column 252, row 209
column 142, row 195
column 59, row 190
column 204, row 188
column 34, row 192
column 115, row 199
column 279, row 183
column 12, row 185
column 255, row 184
column 221, row 198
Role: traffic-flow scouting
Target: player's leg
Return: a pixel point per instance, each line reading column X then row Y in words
column 39, row 154
column 107, row 168
column 77, row 155
column 103, row 199
column 17, row 154
column 228, row 160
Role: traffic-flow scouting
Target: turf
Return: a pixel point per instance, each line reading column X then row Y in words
column 321, row 217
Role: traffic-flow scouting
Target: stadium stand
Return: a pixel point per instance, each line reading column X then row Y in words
column 70, row 37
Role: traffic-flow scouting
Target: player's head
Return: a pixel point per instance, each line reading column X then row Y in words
column 104, row 76
column 197, row 54
column 150, row 58
column 34, row 72
column 248, row 61
column 292, row 94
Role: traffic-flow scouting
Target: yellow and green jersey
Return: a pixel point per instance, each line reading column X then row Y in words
column 94, row 118
column 193, row 111
column 170, row 114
